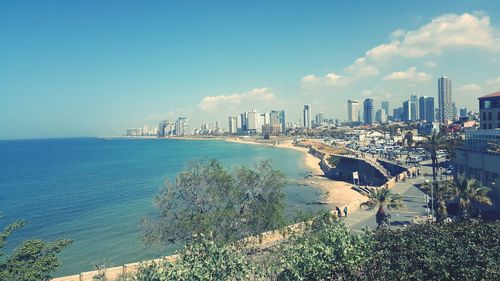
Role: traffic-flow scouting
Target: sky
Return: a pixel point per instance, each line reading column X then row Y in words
column 95, row 68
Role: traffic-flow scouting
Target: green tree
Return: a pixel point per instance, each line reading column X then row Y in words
column 455, row 251
column 329, row 252
column 225, row 204
column 380, row 199
column 468, row 191
column 442, row 192
column 408, row 138
column 435, row 142
column 33, row 260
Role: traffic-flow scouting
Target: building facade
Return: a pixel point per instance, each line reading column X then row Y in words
column 352, row 111
column 445, row 103
column 385, row 106
column 368, row 113
column 489, row 111
column 307, row 116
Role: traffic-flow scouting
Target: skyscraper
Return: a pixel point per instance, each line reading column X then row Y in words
column 278, row 117
column 385, row 106
column 307, row 116
column 368, row 111
column 397, row 113
column 232, row 125
column 381, row 116
column 406, row 114
column 253, row 124
column 414, row 107
column 444, row 100
column 352, row 111
column 320, row 118
column 463, row 111
column 426, row 109
column 430, row 110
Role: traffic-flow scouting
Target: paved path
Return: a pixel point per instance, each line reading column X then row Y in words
column 414, row 205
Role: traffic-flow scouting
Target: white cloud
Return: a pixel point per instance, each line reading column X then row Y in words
column 398, row 33
column 493, row 82
column 214, row 103
column 449, row 31
column 410, row 74
column 470, row 88
column 329, row 79
column 430, row 64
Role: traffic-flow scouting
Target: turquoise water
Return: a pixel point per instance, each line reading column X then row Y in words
column 95, row 191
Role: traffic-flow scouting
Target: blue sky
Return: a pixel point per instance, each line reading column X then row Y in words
column 95, row 68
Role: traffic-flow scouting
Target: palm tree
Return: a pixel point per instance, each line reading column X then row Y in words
column 434, row 143
column 442, row 191
column 381, row 198
column 468, row 191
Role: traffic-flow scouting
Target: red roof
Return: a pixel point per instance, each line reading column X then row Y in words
column 492, row 95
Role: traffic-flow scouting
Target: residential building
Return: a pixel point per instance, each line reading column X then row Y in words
column 352, row 111
column 233, row 128
column 307, row 116
column 445, row 102
column 278, row 117
column 253, row 122
column 489, row 111
column 368, row 113
column 182, row 127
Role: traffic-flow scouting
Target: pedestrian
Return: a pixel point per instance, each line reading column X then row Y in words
column 339, row 213
column 345, row 211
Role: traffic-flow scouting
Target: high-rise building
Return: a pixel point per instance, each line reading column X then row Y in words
column 233, row 129
column 397, row 113
column 430, row 110
column 426, row 109
column 445, row 102
column 414, row 107
column 282, row 121
column 307, row 116
column 253, row 122
column 381, row 116
column 385, row 106
column 352, row 111
column 406, row 114
column 368, row 113
column 182, row 126
column 319, row 119
column 278, row 117
column 244, row 121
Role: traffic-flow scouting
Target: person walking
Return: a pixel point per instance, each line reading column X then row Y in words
column 339, row 213
column 345, row 211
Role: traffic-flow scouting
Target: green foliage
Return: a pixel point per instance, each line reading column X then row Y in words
column 228, row 205
column 455, row 251
column 468, row 191
column 329, row 252
column 33, row 260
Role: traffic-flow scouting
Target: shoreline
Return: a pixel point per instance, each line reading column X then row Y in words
column 335, row 193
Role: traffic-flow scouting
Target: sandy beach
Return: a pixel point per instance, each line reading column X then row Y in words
column 336, row 193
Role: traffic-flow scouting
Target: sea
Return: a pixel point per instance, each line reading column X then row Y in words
column 95, row 191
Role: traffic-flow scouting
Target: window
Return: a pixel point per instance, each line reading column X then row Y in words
column 498, row 126
column 489, row 115
column 490, row 127
column 484, row 126
column 498, row 115
column 484, row 115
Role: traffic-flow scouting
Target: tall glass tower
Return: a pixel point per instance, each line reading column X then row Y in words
column 368, row 113
column 444, row 100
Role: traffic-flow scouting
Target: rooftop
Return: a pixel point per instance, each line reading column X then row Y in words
column 492, row 95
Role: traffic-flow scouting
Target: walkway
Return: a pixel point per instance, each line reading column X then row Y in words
column 413, row 200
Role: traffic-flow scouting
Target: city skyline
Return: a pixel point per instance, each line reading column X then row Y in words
column 78, row 69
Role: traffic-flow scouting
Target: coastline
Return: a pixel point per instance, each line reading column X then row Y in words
column 335, row 193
